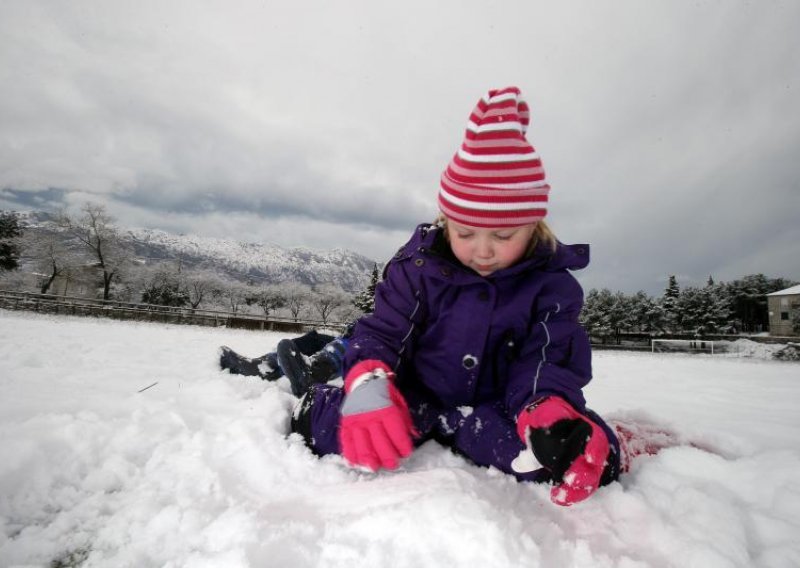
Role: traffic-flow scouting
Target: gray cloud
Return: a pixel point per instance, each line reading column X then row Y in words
column 669, row 130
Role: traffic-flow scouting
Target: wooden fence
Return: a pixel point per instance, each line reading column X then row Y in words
column 68, row 305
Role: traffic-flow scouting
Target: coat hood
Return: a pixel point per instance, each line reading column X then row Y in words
column 428, row 243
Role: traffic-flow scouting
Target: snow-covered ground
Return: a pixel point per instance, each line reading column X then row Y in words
column 197, row 470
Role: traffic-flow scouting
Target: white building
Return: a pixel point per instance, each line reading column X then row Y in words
column 783, row 306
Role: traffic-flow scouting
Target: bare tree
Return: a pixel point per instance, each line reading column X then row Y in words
column 269, row 298
column 297, row 297
column 348, row 312
column 326, row 299
column 50, row 255
column 201, row 284
column 235, row 295
column 101, row 241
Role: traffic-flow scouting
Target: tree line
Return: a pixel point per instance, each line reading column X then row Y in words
column 716, row 308
column 86, row 255
column 86, row 250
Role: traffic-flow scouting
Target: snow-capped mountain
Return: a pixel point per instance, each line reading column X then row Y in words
column 264, row 262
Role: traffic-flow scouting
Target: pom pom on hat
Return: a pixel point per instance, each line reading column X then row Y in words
column 496, row 178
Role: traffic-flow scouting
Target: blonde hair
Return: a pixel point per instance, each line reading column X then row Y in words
column 542, row 234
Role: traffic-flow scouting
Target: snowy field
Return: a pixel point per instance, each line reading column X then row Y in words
column 198, row 471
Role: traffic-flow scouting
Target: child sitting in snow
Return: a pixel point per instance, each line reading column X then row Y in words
column 475, row 340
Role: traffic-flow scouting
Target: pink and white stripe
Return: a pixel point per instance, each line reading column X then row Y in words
column 496, row 178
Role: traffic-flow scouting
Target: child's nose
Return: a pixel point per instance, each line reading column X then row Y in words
column 483, row 249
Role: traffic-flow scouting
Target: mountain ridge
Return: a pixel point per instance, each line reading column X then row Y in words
column 244, row 261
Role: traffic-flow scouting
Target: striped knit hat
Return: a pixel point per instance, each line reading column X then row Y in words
column 496, row 178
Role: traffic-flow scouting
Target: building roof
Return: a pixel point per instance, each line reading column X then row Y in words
column 788, row 292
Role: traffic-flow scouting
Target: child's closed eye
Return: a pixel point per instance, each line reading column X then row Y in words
column 504, row 236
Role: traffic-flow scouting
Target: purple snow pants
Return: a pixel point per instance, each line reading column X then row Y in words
column 483, row 434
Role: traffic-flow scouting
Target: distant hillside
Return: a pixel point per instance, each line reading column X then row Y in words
column 258, row 262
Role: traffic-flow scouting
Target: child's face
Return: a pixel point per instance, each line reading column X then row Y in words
column 488, row 250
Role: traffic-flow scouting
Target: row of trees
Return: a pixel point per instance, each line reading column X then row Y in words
column 89, row 248
column 170, row 287
column 716, row 308
column 163, row 284
column 85, row 254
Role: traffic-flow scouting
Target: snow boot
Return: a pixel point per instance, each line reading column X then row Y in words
column 312, row 342
column 265, row 366
column 303, row 371
column 294, row 366
column 327, row 364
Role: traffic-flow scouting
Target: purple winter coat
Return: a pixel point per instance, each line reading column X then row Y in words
column 457, row 339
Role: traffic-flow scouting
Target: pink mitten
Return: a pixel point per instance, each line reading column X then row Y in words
column 376, row 428
column 568, row 444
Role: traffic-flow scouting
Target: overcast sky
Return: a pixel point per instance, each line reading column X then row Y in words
column 669, row 131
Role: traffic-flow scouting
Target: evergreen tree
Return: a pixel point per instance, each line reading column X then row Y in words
column 670, row 313
column 590, row 314
column 623, row 316
column 704, row 310
column 719, row 318
column 365, row 300
column 596, row 316
column 692, row 305
column 10, row 231
column 645, row 314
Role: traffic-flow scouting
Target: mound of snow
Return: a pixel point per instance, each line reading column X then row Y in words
column 790, row 352
column 748, row 348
